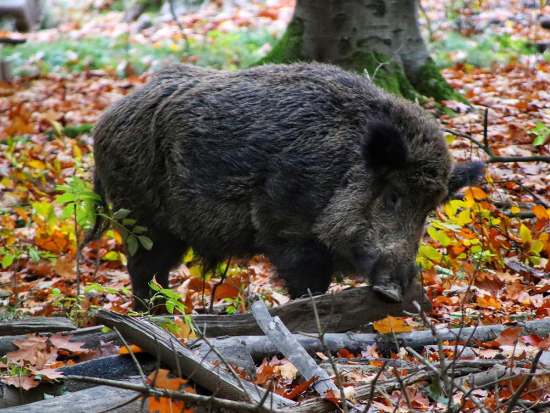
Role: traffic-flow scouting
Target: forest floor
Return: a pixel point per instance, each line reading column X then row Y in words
column 484, row 259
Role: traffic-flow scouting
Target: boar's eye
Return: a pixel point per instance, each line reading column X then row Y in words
column 392, row 200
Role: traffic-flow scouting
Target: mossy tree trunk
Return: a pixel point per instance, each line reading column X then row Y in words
column 379, row 36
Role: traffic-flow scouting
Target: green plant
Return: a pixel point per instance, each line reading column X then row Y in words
column 541, row 131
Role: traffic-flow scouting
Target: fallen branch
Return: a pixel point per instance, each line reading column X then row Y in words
column 278, row 334
column 260, row 347
column 172, row 352
column 342, row 311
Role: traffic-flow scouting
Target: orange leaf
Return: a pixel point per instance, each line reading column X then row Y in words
column 489, row 302
column 541, row 213
column 302, row 387
column 135, row 349
column 8, row 222
column 164, row 404
column 226, row 291
column 389, row 324
column 475, row 193
column 343, row 353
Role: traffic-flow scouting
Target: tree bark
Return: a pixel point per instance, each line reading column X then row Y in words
column 381, row 37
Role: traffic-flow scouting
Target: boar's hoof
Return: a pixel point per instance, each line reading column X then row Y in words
column 389, row 293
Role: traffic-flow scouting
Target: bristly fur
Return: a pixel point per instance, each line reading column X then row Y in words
column 272, row 160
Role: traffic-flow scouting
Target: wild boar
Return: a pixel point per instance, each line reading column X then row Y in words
column 313, row 166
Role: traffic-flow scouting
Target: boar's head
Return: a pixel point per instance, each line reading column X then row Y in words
column 377, row 218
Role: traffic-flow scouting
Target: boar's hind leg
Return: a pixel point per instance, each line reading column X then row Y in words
column 166, row 254
column 303, row 267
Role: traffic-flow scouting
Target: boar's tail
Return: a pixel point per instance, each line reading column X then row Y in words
column 101, row 206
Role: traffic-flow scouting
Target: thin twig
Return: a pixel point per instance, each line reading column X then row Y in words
column 373, row 386
column 321, row 338
column 213, row 293
column 175, row 17
column 517, row 394
column 201, row 335
column 495, row 158
column 132, row 355
column 179, row 395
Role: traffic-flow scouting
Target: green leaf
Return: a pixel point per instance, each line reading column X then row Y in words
column 67, row 211
column 126, row 291
column 155, row 287
column 132, row 244
column 139, row 230
column 66, row 197
column 111, row 256
column 429, row 252
column 539, row 140
column 7, row 260
column 93, row 287
column 35, row 256
column 128, row 221
column 121, row 214
column 146, row 242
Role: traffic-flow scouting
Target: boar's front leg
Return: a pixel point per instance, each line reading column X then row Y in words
column 303, row 266
column 167, row 253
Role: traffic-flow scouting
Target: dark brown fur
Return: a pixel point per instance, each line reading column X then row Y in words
column 313, row 166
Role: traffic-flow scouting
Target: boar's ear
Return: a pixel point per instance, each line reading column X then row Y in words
column 464, row 174
column 383, row 148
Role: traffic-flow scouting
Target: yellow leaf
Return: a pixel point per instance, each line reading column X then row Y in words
column 57, row 127
column 464, row 218
column 515, row 209
column 525, row 234
column 76, row 151
column 36, row 164
column 537, row 246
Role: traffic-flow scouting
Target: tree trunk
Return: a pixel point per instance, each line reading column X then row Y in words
column 381, row 37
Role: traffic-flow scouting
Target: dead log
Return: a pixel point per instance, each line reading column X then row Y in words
column 172, row 352
column 118, row 367
column 260, row 347
column 97, row 399
column 35, row 325
column 342, row 311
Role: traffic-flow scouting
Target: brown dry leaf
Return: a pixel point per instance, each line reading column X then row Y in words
column 33, row 350
column 62, row 343
column 509, row 336
column 66, row 267
column 24, row 382
column 389, row 324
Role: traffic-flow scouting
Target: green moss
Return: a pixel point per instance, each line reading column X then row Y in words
column 289, row 48
column 429, row 82
column 388, row 76
column 71, row 131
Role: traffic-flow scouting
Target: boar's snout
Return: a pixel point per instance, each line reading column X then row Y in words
column 389, row 276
